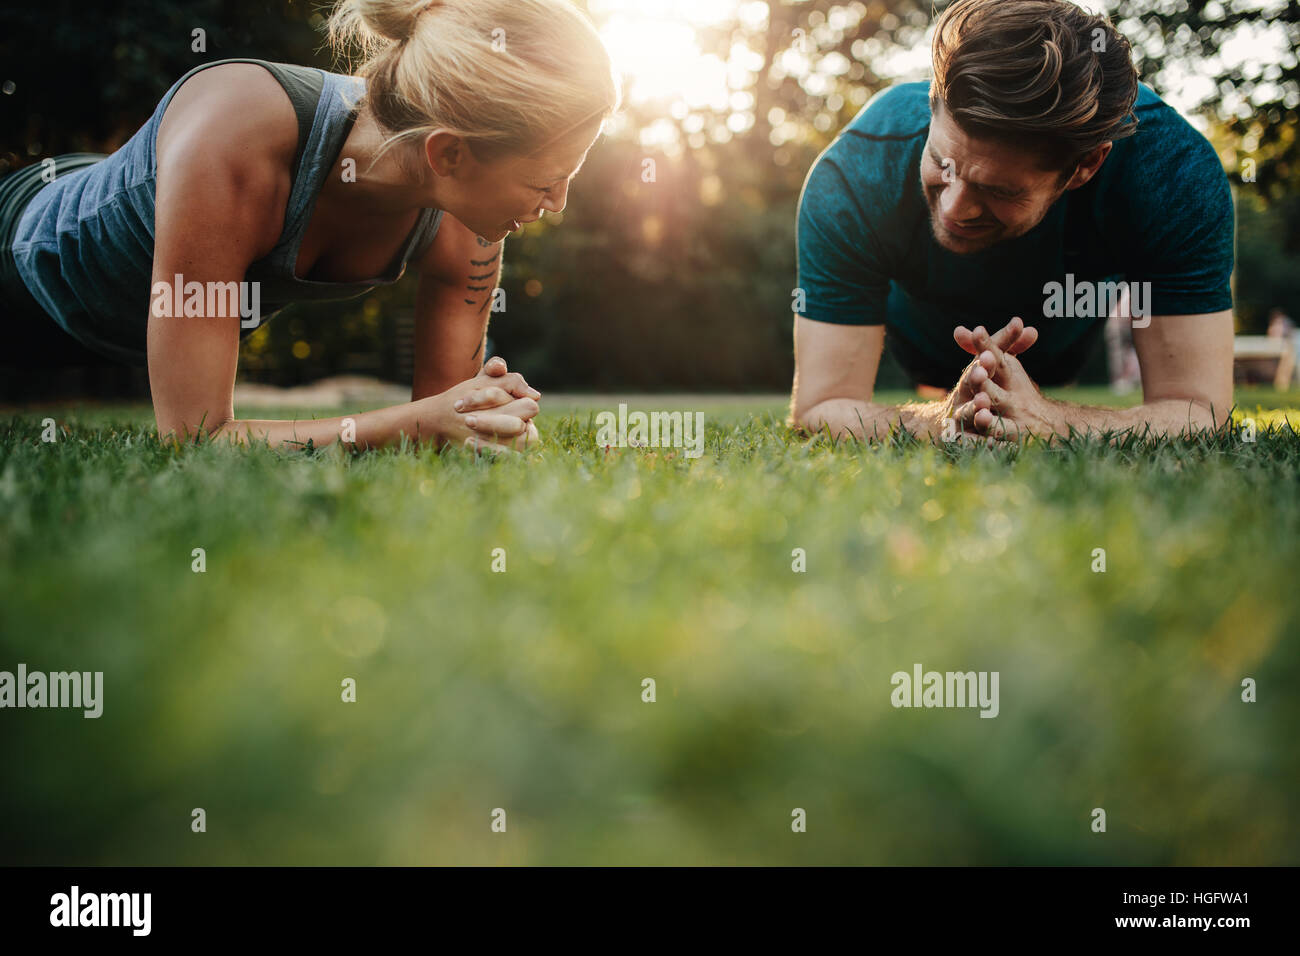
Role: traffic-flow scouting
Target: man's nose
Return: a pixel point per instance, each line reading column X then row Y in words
column 958, row 202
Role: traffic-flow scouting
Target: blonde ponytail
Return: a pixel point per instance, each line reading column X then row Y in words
column 508, row 75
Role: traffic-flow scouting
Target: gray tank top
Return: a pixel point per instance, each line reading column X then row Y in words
column 84, row 244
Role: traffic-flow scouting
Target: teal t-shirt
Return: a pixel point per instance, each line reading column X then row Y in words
column 1159, row 210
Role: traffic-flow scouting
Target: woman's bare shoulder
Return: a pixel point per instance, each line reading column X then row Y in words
column 225, row 148
column 233, row 112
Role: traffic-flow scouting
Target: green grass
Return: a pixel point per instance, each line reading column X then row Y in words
column 522, row 690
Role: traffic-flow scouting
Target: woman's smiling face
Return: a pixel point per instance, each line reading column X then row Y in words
column 495, row 197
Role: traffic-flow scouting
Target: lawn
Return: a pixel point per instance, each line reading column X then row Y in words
column 523, row 690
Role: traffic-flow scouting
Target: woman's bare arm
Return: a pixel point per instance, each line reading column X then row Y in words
column 458, row 275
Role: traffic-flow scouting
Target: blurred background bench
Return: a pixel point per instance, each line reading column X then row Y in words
column 1253, row 354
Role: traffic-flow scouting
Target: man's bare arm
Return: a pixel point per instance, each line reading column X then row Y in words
column 835, row 378
column 1164, row 417
column 1188, row 358
column 845, row 417
column 1186, row 363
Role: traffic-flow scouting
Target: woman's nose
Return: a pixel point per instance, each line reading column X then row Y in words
column 555, row 201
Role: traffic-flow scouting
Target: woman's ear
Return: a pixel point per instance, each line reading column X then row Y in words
column 446, row 152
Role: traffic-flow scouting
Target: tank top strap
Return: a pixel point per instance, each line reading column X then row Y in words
column 303, row 85
column 336, row 112
column 426, row 231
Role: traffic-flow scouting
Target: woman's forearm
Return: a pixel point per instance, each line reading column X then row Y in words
column 374, row 429
column 450, row 327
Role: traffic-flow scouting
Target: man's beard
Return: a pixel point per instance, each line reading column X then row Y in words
column 959, row 245
column 998, row 232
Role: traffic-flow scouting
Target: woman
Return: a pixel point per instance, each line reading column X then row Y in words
column 466, row 119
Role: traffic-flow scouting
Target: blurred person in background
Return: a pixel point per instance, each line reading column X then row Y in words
column 1282, row 326
column 1121, row 356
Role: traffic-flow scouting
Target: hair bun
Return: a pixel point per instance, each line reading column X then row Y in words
column 389, row 19
column 554, row 75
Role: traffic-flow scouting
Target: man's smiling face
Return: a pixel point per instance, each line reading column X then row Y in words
column 982, row 191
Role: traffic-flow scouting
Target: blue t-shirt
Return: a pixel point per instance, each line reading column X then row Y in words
column 1159, row 210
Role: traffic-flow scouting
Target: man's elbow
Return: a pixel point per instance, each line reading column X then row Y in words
column 1218, row 413
column 1203, row 411
column 805, row 416
column 1215, row 409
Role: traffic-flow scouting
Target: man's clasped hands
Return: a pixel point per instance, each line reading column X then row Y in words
column 995, row 399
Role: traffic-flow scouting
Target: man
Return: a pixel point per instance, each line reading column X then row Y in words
column 1033, row 178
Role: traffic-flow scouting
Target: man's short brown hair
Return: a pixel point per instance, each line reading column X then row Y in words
column 1045, row 73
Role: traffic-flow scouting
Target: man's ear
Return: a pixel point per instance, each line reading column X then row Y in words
column 446, row 152
column 1088, row 166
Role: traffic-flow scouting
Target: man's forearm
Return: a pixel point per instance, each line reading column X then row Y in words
column 867, row 420
column 1171, row 416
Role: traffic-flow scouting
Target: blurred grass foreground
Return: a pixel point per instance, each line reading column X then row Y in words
column 523, row 690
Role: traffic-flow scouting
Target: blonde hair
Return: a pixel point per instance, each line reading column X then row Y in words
column 510, row 76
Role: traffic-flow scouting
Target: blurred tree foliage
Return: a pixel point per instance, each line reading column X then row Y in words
column 677, row 275
column 1247, row 50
